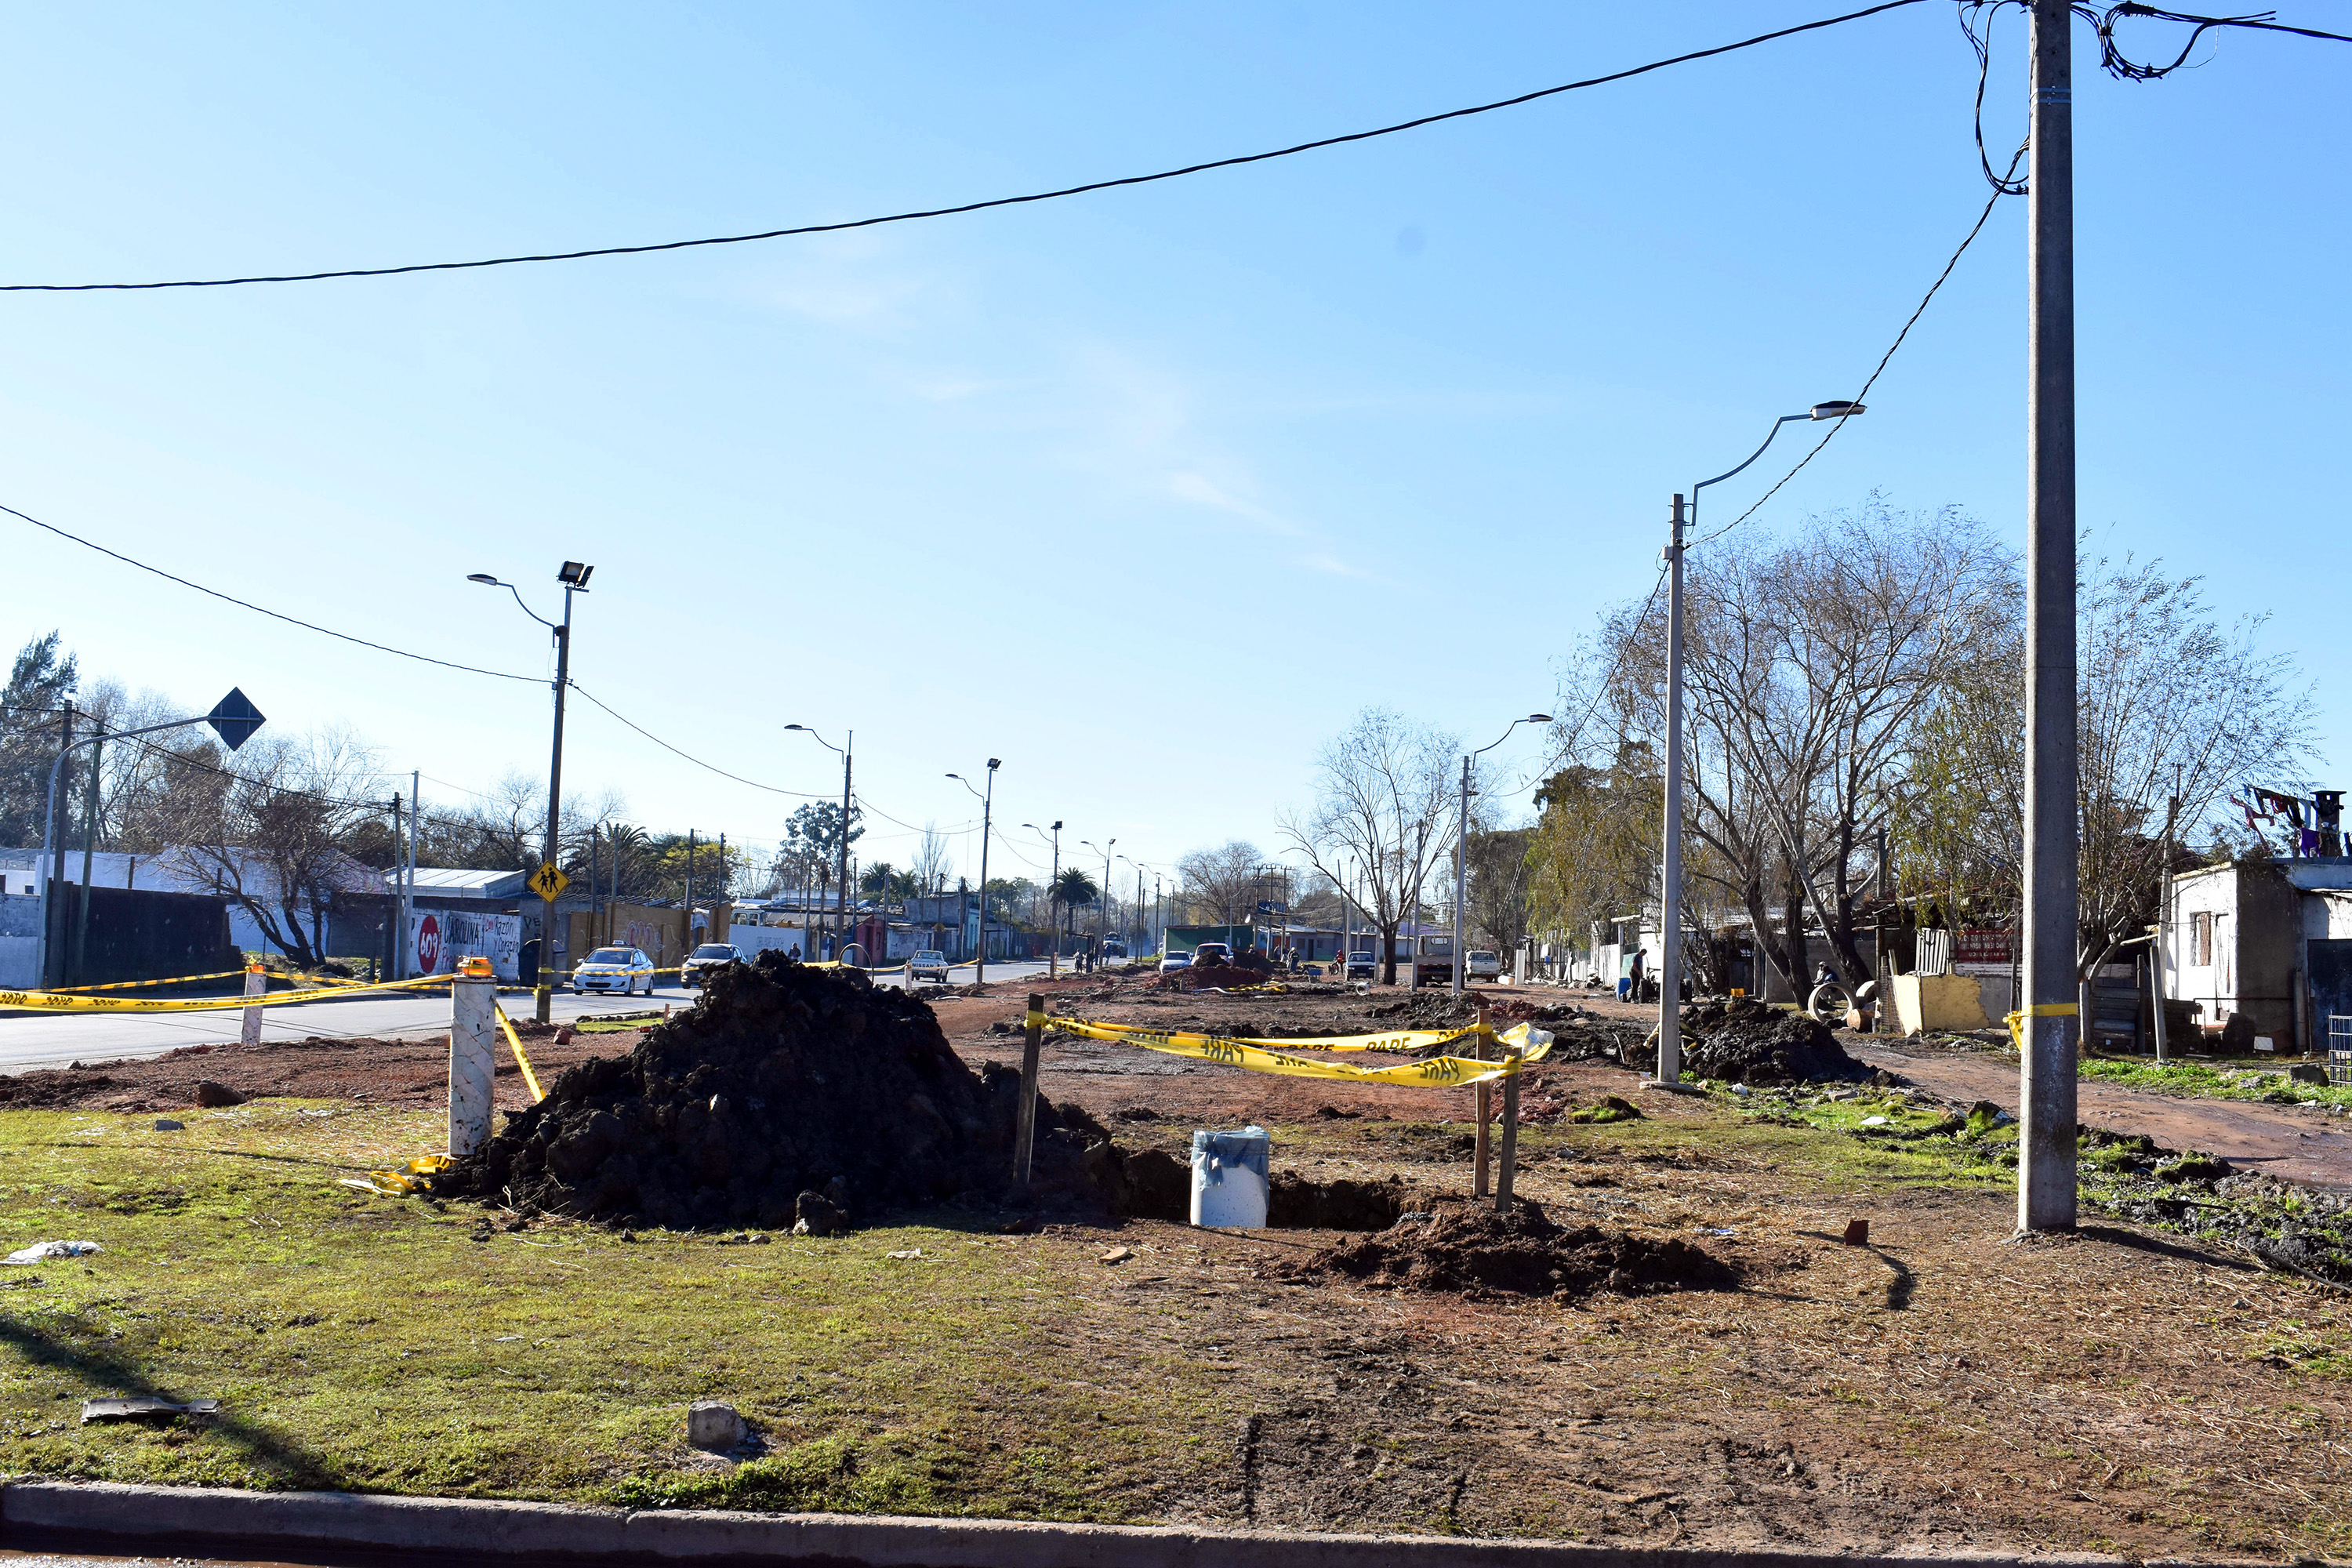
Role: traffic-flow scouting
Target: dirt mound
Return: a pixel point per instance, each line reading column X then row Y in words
column 1426, row 1011
column 781, row 1080
column 1201, row 977
column 1744, row 1041
column 1477, row 1252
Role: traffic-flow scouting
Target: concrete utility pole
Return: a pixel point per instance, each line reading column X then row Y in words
column 2052, row 1031
column 574, row 576
column 1054, row 946
column 987, row 807
column 1462, row 846
column 1670, row 890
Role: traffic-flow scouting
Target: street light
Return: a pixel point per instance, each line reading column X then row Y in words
column 987, row 804
column 234, row 718
column 849, row 740
column 1670, row 896
column 1102, row 906
column 1462, row 840
column 1052, row 947
column 574, row 576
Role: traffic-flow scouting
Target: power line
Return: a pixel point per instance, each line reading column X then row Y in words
column 248, row 604
column 966, row 207
column 2002, row 187
column 698, row 762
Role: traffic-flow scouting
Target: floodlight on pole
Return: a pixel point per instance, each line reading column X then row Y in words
column 1053, row 947
column 574, row 576
column 987, row 808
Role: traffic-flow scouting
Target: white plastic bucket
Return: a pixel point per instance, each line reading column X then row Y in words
column 1229, row 1178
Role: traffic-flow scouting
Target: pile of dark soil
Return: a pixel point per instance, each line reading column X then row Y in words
column 1744, row 1041
column 1201, row 977
column 1421, row 1011
column 1481, row 1254
column 782, row 1084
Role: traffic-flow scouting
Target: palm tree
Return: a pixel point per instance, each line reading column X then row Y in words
column 1075, row 890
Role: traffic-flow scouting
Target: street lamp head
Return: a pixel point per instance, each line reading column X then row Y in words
column 795, row 726
column 1838, row 410
column 574, row 574
column 993, row 765
column 1057, row 827
column 957, row 777
column 485, row 579
column 1537, row 719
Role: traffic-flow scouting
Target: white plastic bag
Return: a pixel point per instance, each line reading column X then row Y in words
column 49, row 1250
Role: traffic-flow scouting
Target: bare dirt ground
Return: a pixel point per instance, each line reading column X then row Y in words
column 1944, row 1386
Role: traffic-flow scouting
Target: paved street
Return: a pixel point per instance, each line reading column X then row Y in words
column 51, row 1039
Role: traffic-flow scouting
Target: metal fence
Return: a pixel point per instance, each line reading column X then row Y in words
column 2339, row 1050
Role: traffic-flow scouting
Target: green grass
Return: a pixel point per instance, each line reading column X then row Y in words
column 371, row 1343
column 2210, row 1081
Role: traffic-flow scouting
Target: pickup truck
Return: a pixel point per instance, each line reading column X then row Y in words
column 927, row 964
column 1363, row 966
column 1482, row 965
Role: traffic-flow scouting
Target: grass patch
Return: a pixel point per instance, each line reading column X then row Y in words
column 2263, row 1084
column 366, row 1343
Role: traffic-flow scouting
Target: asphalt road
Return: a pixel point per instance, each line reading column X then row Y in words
column 29, row 1040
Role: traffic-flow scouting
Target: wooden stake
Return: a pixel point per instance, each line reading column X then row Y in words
column 1033, row 1038
column 1485, row 1111
column 1510, row 1141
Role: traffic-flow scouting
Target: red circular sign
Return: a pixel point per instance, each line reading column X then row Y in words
column 428, row 946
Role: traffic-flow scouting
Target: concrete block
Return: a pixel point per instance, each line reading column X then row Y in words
column 710, row 1424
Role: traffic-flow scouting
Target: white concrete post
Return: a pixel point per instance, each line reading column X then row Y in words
column 473, row 1056
column 256, row 982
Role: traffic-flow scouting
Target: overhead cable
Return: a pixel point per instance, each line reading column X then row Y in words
column 248, row 604
column 2002, row 187
column 960, row 208
column 698, row 762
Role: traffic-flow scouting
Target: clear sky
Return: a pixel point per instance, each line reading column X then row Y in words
column 1144, row 493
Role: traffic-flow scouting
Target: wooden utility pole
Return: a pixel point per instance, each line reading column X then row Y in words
column 1026, row 1140
column 2047, row 1065
column 1485, row 1111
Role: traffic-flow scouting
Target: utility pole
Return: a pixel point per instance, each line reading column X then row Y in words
column 987, row 807
column 2045, row 1172
column 2163, row 916
column 688, row 938
column 53, row 869
column 848, row 742
column 1670, row 886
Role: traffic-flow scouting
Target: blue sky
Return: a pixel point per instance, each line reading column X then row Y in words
column 1144, row 493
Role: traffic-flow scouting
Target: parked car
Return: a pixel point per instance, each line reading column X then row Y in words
column 1213, row 952
column 1362, row 966
column 1175, row 960
column 927, row 964
column 709, row 955
column 608, row 969
column 1482, row 965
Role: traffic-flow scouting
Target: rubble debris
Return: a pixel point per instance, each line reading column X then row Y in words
column 1610, row 1107
column 212, row 1094
column 1481, row 1254
column 714, row 1425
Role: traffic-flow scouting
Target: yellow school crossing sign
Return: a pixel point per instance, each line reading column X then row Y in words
column 549, row 882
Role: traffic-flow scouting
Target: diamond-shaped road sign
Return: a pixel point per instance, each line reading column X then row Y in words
column 235, row 718
column 547, row 881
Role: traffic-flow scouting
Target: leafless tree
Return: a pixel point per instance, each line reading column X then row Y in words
column 933, row 866
column 1223, row 883
column 1384, row 792
column 1811, row 664
column 272, row 835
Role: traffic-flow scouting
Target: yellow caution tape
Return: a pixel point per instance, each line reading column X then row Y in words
column 57, row 1001
column 2016, row 1021
column 1433, row 1072
column 142, row 985
column 399, row 1182
column 514, row 1044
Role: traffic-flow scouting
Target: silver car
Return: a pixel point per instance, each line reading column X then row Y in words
column 708, row 955
column 928, row 965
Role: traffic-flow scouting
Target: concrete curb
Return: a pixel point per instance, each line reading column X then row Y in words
column 141, row 1517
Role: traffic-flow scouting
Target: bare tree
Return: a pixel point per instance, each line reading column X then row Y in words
column 1222, row 882
column 2171, row 704
column 1383, row 790
column 272, row 835
column 933, row 866
column 1811, row 663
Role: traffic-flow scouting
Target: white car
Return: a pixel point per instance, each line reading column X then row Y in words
column 708, row 955
column 929, row 964
column 1482, row 965
column 1175, row 960
column 609, row 969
